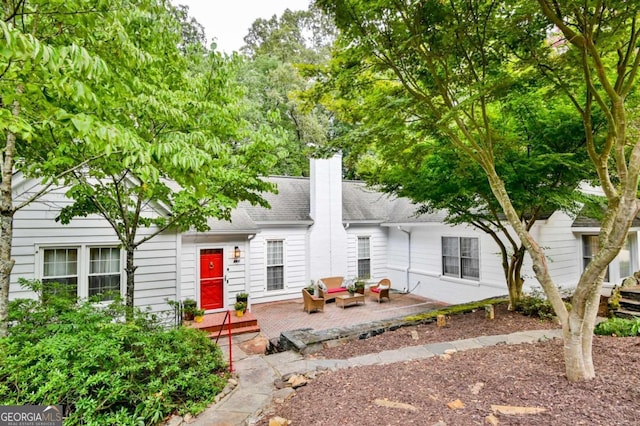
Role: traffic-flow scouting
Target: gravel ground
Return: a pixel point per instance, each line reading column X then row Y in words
column 467, row 387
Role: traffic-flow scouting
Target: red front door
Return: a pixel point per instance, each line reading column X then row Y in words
column 211, row 279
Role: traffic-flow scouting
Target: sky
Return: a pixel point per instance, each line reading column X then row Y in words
column 229, row 20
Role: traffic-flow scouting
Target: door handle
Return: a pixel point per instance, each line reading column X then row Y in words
column 211, row 265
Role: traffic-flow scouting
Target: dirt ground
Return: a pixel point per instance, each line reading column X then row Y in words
column 469, row 387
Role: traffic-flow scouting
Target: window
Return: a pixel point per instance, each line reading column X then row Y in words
column 275, row 265
column 364, row 258
column 82, row 271
column 104, row 272
column 461, row 257
column 60, row 267
column 622, row 265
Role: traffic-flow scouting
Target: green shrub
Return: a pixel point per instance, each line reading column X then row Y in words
column 620, row 327
column 536, row 304
column 105, row 370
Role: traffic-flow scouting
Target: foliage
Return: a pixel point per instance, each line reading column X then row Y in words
column 620, row 327
column 536, row 303
column 278, row 52
column 104, row 370
column 240, row 306
column 447, row 67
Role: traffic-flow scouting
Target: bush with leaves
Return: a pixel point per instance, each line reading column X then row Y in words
column 536, row 304
column 102, row 369
column 620, row 327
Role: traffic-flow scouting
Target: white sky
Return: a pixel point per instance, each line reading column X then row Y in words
column 229, row 20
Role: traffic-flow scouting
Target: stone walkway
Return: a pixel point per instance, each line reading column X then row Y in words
column 257, row 374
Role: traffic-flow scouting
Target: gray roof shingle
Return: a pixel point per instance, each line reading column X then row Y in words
column 291, row 206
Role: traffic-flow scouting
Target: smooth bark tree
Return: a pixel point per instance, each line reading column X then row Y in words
column 44, row 70
column 121, row 95
column 542, row 163
column 454, row 58
column 196, row 157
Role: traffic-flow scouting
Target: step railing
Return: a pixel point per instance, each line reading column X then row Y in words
column 227, row 316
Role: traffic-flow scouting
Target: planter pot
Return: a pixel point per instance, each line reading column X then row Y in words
column 239, row 313
column 360, row 290
column 198, row 318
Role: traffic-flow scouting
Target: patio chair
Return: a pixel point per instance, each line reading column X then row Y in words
column 381, row 290
column 312, row 303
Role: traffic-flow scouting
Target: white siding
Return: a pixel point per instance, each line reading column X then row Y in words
column 562, row 249
column 425, row 271
column 296, row 258
column 378, row 246
column 235, row 273
column 35, row 227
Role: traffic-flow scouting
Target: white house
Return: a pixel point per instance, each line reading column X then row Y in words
column 316, row 227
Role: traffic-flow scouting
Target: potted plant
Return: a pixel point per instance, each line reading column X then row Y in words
column 351, row 288
column 242, row 297
column 359, row 286
column 188, row 306
column 198, row 315
column 240, row 307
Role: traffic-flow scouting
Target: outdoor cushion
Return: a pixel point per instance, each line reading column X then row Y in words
column 335, row 290
column 375, row 289
column 321, row 285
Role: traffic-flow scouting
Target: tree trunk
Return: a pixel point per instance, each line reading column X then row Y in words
column 514, row 278
column 130, row 269
column 6, row 262
column 6, row 222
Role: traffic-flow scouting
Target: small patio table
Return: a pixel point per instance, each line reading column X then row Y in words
column 349, row 299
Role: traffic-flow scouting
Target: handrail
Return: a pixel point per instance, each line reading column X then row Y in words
column 227, row 315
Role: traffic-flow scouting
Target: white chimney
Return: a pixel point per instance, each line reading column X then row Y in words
column 327, row 236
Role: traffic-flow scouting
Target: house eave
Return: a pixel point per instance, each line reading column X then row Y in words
column 361, row 222
column 279, row 223
column 596, row 229
column 405, row 224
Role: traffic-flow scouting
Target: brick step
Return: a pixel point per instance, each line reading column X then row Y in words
column 214, row 322
column 631, row 293
column 234, row 331
column 630, row 305
column 622, row 313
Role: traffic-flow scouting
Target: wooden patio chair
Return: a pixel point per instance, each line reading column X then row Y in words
column 381, row 290
column 312, row 303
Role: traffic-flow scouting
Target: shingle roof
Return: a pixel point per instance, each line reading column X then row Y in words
column 291, row 206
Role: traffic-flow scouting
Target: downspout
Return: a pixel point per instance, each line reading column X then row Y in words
column 247, row 254
column 408, row 255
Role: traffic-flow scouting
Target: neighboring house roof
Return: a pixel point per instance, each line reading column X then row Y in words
column 583, row 221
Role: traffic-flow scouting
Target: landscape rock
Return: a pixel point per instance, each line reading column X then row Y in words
column 491, row 420
column 455, row 405
column 414, row 335
column 394, row 404
column 514, row 410
column 256, row 346
column 279, row 421
column 297, row 380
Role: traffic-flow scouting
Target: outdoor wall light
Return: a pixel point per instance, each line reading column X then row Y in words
column 236, row 254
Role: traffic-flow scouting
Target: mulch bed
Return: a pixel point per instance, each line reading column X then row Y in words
column 419, row 392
